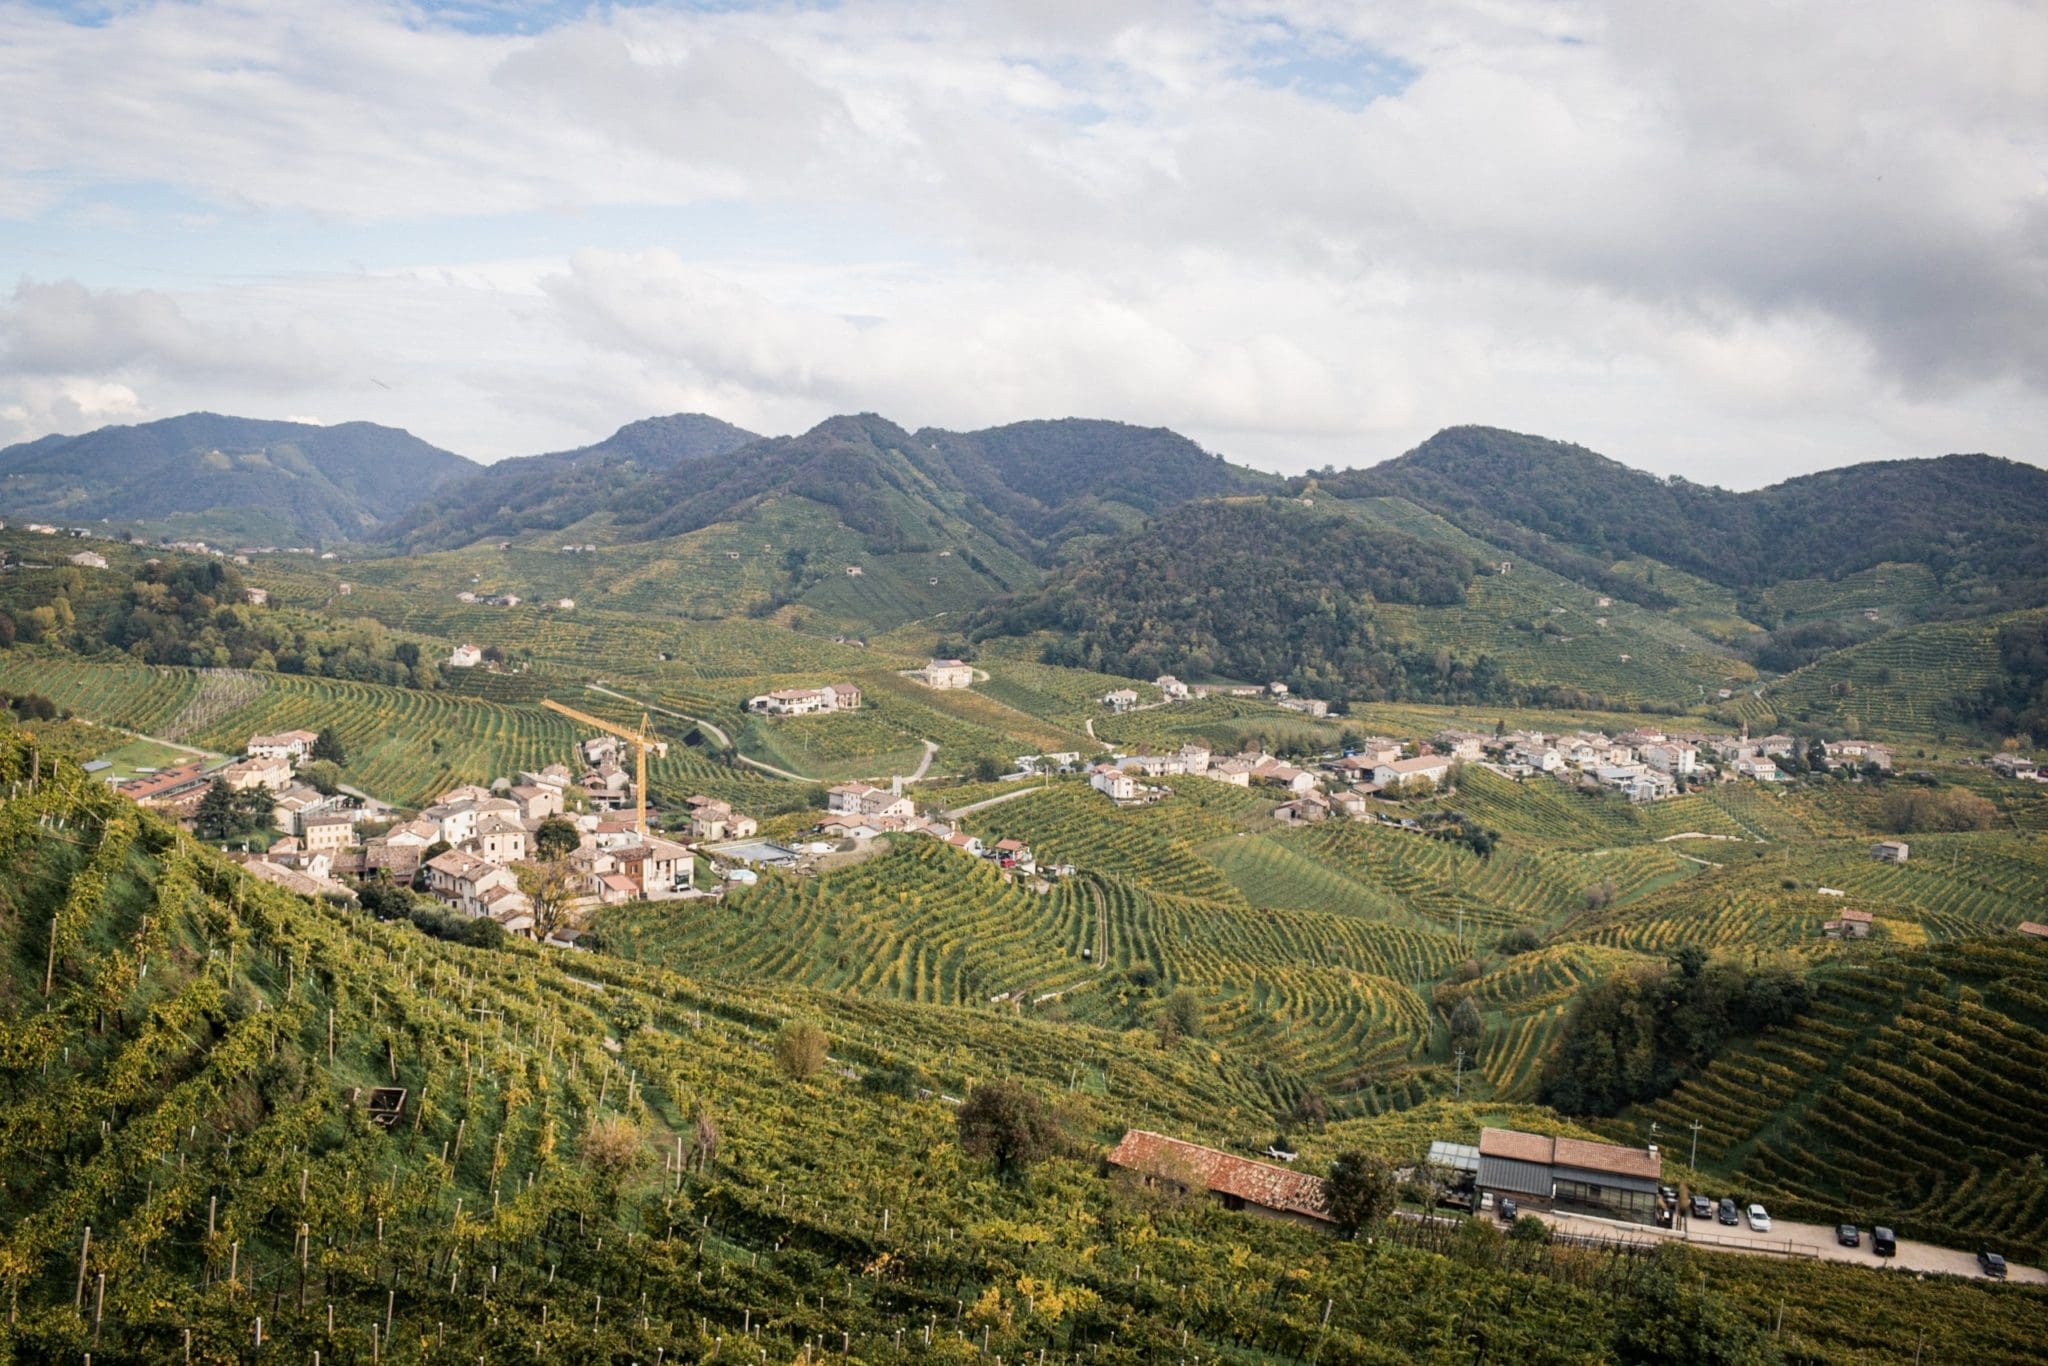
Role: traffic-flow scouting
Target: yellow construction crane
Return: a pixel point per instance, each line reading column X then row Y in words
column 642, row 740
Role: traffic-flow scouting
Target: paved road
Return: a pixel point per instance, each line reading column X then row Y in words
column 1790, row 1237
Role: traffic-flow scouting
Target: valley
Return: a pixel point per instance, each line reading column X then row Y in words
column 1496, row 789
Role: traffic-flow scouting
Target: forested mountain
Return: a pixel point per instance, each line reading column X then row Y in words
column 1070, row 478
column 1980, row 523
column 561, row 488
column 1254, row 588
column 228, row 477
column 1030, row 486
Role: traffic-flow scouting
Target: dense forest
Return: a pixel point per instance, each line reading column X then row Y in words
column 196, row 612
column 2017, row 703
column 1255, row 589
column 1634, row 1036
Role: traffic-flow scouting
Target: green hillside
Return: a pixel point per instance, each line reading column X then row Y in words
column 231, row 478
column 193, row 1086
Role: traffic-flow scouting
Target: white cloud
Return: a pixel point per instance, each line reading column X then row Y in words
column 1694, row 238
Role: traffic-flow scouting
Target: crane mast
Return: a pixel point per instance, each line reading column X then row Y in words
column 642, row 741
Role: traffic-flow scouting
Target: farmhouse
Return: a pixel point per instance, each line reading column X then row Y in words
column 1120, row 700
column 86, row 559
column 1890, row 851
column 1849, row 925
column 711, row 819
column 475, row 886
column 1858, row 752
column 1759, row 769
column 1238, row 1182
column 806, row 701
column 1311, row 706
column 865, row 799
column 945, row 673
column 1171, row 688
column 465, row 657
column 2014, row 766
column 1570, row 1174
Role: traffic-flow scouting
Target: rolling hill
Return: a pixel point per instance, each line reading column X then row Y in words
column 1978, row 522
column 228, row 478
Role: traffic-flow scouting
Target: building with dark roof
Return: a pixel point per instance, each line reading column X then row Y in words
column 1572, row 1174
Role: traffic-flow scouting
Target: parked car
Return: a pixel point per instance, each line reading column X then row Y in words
column 1992, row 1265
column 1702, row 1208
column 1882, row 1243
column 1727, row 1214
column 1667, row 1195
column 1759, row 1219
column 1509, row 1211
column 1848, row 1235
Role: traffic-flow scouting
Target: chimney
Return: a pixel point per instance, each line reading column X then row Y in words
column 1653, row 1150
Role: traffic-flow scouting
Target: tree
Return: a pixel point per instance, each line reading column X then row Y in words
column 327, row 745
column 1467, row 1024
column 1005, row 1124
column 549, row 888
column 1180, row 1017
column 1361, row 1191
column 322, row 775
column 800, row 1050
column 215, row 819
column 555, row 838
column 986, row 770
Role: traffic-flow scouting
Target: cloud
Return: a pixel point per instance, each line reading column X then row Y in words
column 1301, row 229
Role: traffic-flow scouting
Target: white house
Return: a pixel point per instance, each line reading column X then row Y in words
column 1113, row 782
column 1432, row 767
column 1171, row 688
column 289, row 745
column 1674, row 757
column 1120, row 700
column 806, row 701
column 465, row 657
column 86, row 559
column 1758, row 768
column 864, row 799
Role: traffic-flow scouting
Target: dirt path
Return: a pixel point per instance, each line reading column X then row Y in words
column 931, row 747
column 716, row 731
column 957, row 812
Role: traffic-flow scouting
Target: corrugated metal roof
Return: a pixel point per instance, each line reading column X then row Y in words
column 1509, row 1174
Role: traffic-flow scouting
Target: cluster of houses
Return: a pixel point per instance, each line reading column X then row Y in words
column 1642, row 765
column 2017, row 766
column 466, row 847
column 833, row 697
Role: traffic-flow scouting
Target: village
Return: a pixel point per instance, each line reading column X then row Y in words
column 1642, row 765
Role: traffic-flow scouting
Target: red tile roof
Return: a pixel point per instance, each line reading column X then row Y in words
column 2035, row 928
column 1570, row 1152
column 1259, row 1183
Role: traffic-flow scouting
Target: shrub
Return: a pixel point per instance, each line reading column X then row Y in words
column 1361, row 1190
column 800, row 1050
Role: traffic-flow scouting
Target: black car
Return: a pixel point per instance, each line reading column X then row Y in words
column 1848, row 1235
column 1883, row 1243
column 1702, row 1208
column 1728, row 1214
column 1992, row 1265
column 1667, row 1195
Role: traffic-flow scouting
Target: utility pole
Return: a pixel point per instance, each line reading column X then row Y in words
column 1458, row 1078
column 1695, row 1163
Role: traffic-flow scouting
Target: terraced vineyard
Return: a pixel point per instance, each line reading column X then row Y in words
column 1072, row 823
column 1909, row 1098
column 1898, row 685
column 128, row 696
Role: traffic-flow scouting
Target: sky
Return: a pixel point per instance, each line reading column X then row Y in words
column 1734, row 242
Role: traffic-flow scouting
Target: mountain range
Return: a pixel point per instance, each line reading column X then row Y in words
column 234, row 478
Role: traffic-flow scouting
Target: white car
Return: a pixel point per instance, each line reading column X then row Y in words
column 1759, row 1219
